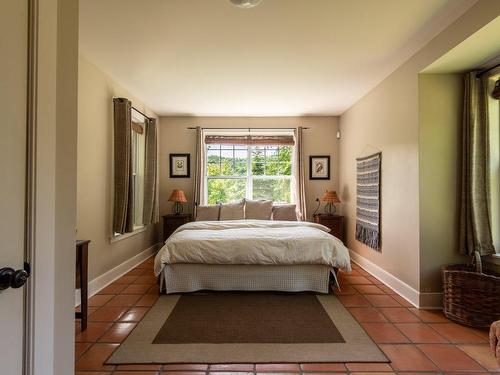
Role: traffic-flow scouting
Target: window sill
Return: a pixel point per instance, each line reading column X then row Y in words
column 120, row 237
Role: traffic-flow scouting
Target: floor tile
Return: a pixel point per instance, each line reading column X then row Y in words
column 368, row 289
column 386, row 289
column 117, row 333
column 185, row 367
column 92, row 373
column 483, row 355
column 280, row 367
column 429, row 316
column 345, row 289
column 363, row 367
column 382, row 300
column 374, row 280
column 354, row 300
column 231, row 367
column 99, row 300
column 357, row 280
column 136, row 272
column 146, row 279
column 135, row 314
column 420, row 333
column 80, row 348
column 125, row 300
column 126, row 280
column 328, row 367
column 147, row 300
column 112, row 289
column 367, row 314
column 408, row 358
column 457, row 334
column 136, row 289
column 399, row 315
column 384, row 333
column 135, row 373
column 449, row 358
column 402, row 300
column 231, row 373
column 138, row 367
column 94, row 358
column 107, row 314
column 93, row 332
column 183, row 372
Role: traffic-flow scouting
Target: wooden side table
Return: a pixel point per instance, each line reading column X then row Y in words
column 82, row 262
column 334, row 222
column 172, row 221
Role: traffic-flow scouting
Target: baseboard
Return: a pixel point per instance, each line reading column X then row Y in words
column 404, row 290
column 108, row 277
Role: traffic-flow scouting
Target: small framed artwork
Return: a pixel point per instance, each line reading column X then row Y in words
column 180, row 166
column 319, row 167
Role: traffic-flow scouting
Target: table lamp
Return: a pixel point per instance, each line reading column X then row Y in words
column 178, row 197
column 330, row 197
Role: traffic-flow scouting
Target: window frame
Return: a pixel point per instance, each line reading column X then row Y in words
column 249, row 177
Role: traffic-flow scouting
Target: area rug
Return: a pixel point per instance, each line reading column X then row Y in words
column 237, row 327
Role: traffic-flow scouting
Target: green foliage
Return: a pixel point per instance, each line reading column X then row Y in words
column 269, row 161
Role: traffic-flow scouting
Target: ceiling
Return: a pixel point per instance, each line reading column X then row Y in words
column 281, row 58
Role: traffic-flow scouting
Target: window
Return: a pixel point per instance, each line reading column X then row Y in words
column 234, row 172
column 138, row 160
column 494, row 134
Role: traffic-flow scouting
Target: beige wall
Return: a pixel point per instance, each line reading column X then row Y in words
column 441, row 98
column 387, row 119
column 320, row 139
column 95, row 175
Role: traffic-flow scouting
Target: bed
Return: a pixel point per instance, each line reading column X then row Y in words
column 250, row 255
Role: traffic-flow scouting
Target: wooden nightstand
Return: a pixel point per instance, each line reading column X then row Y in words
column 334, row 222
column 171, row 222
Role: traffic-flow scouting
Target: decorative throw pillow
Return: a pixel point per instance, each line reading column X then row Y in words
column 258, row 209
column 232, row 211
column 285, row 212
column 207, row 213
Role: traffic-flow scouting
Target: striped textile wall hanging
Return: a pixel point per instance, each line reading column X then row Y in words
column 368, row 200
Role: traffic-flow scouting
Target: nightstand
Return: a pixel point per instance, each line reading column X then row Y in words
column 334, row 222
column 171, row 222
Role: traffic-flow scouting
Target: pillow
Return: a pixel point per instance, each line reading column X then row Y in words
column 284, row 212
column 232, row 211
column 258, row 210
column 207, row 213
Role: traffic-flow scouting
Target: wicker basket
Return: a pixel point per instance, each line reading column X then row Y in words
column 471, row 297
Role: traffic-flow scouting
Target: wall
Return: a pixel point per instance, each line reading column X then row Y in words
column 387, row 119
column 320, row 139
column 441, row 105
column 95, row 175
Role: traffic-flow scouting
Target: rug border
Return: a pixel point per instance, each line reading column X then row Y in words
column 359, row 347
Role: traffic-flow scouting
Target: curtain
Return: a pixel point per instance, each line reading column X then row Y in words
column 123, row 215
column 151, row 211
column 475, row 219
column 299, row 174
column 199, row 170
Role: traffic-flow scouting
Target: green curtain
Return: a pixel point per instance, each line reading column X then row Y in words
column 123, row 215
column 475, row 218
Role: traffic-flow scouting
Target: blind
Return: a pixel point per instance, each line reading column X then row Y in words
column 255, row 140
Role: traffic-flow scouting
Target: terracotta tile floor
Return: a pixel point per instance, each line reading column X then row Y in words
column 416, row 341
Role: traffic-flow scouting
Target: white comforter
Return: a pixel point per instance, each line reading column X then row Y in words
column 264, row 242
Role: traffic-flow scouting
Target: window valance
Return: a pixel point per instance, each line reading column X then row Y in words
column 255, row 140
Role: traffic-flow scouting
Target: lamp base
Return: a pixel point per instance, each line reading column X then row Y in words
column 177, row 208
column 330, row 209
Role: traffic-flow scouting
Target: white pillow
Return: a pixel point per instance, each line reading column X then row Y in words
column 258, row 209
column 286, row 212
column 207, row 213
column 232, row 211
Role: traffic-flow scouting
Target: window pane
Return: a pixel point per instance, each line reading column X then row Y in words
column 225, row 190
column 277, row 189
column 213, row 169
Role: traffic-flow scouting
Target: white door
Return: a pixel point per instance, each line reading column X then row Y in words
column 13, row 107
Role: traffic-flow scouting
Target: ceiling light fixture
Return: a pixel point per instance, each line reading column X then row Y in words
column 246, row 3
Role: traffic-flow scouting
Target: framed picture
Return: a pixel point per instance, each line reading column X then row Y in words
column 180, row 166
column 319, row 167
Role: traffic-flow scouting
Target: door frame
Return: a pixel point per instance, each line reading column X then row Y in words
column 51, row 161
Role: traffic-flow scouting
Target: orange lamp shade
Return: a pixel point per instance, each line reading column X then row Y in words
column 177, row 196
column 330, row 197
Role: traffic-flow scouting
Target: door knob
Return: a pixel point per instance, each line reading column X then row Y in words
column 9, row 278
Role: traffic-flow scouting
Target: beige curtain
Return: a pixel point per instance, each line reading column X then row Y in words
column 475, row 219
column 151, row 211
column 299, row 174
column 123, row 215
column 199, row 168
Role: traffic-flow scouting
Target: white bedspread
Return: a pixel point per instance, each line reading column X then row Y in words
column 253, row 242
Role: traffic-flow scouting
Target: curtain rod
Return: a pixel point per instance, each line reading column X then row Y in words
column 194, row 128
column 135, row 109
column 487, row 70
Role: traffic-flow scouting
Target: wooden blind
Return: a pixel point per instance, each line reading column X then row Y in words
column 255, row 140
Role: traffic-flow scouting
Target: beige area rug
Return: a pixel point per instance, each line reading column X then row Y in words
column 238, row 327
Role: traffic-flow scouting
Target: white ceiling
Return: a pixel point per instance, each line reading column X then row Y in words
column 282, row 58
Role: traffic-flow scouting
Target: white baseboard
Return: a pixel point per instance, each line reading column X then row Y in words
column 400, row 287
column 108, row 277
